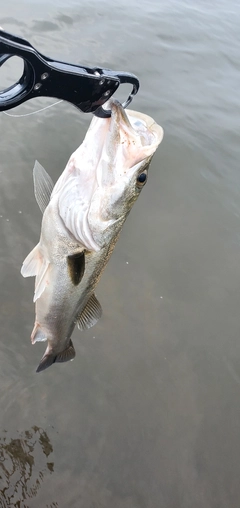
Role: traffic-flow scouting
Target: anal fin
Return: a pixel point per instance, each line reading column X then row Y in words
column 68, row 354
column 90, row 314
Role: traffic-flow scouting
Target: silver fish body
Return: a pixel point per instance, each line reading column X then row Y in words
column 83, row 215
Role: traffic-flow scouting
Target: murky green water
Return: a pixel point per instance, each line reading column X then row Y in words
column 148, row 414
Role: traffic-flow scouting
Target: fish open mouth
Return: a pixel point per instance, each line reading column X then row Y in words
column 125, row 139
column 120, row 141
column 138, row 132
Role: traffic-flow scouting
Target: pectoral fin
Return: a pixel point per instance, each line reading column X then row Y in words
column 76, row 267
column 50, row 357
column 43, row 186
column 90, row 314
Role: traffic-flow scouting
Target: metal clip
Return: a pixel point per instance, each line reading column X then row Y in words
column 84, row 87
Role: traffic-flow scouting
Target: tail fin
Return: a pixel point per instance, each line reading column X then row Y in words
column 50, row 357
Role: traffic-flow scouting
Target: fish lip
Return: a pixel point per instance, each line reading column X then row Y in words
column 121, row 118
column 118, row 115
column 118, row 112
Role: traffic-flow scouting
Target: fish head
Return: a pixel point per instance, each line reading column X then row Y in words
column 105, row 175
column 128, row 141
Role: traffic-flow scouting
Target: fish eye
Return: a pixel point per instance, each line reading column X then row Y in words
column 141, row 179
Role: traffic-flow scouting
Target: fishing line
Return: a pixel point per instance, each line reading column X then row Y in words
column 33, row 112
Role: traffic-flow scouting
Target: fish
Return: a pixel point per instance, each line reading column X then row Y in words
column 83, row 215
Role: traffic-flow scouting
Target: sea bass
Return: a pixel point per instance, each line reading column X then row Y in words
column 83, row 215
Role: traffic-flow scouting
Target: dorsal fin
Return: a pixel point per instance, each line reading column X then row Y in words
column 32, row 263
column 41, row 279
column 90, row 314
column 36, row 264
column 43, row 186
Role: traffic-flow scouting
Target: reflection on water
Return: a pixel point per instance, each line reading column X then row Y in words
column 24, row 462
